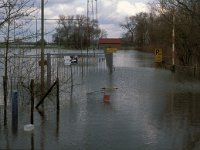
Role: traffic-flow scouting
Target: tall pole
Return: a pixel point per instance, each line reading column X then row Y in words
column 42, row 49
column 97, row 24
column 96, row 10
column 91, row 16
column 173, row 43
column 36, row 40
column 88, row 37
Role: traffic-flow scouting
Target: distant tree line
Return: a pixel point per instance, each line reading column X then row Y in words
column 154, row 29
column 77, row 32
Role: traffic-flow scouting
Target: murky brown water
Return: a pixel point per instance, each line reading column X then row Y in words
column 149, row 109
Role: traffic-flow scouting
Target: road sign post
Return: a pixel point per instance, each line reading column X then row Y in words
column 111, row 50
column 158, row 55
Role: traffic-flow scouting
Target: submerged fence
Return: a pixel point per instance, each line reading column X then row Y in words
column 23, row 67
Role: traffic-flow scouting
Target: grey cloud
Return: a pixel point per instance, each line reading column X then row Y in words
column 53, row 2
column 108, row 12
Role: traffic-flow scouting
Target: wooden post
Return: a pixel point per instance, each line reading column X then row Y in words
column 32, row 101
column 48, row 70
column 173, row 44
column 41, row 101
column 58, row 101
column 5, row 99
column 5, row 91
column 58, row 108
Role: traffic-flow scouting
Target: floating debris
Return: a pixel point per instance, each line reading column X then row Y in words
column 29, row 127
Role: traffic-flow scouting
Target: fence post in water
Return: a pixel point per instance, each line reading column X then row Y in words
column 71, row 81
column 41, row 101
column 5, row 99
column 32, row 101
column 48, row 70
column 58, row 108
column 14, row 111
column 5, row 80
column 71, row 75
column 58, row 101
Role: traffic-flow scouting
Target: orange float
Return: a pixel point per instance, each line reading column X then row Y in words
column 106, row 98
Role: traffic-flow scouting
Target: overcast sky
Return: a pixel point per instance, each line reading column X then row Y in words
column 110, row 12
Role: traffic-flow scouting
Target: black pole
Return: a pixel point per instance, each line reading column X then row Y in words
column 58, row 101
column 41, row 101
column 32, row 101
column 15, row 112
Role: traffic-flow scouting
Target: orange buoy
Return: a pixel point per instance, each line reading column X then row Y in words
column 106, row 98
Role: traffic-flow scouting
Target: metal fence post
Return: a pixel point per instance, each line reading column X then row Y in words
column 14, row 111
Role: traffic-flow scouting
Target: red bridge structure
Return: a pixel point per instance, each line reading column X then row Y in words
column 110, row 43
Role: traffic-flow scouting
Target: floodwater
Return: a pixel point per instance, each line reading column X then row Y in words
column 149, row 109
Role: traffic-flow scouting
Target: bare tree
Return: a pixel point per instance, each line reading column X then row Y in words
column 129, row 25
column 187, row 25
column 73, row 29
column 10, row 11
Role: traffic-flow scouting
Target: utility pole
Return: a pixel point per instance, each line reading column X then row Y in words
column 96, row 18
column 96, row 11
column 90, row 9
column 42, row 49
column 91, row 15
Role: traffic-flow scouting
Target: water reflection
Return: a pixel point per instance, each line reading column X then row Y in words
column 149, row 109
column 182, row 114
column 132, row 59
column 186, row 105
column 5, row 116
column 32, row 141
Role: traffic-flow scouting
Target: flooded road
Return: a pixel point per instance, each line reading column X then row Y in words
column 149, row 109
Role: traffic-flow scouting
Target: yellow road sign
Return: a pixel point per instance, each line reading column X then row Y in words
column 111, row 50
column 158, row 55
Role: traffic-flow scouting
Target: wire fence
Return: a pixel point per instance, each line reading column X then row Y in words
column 24, row 67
